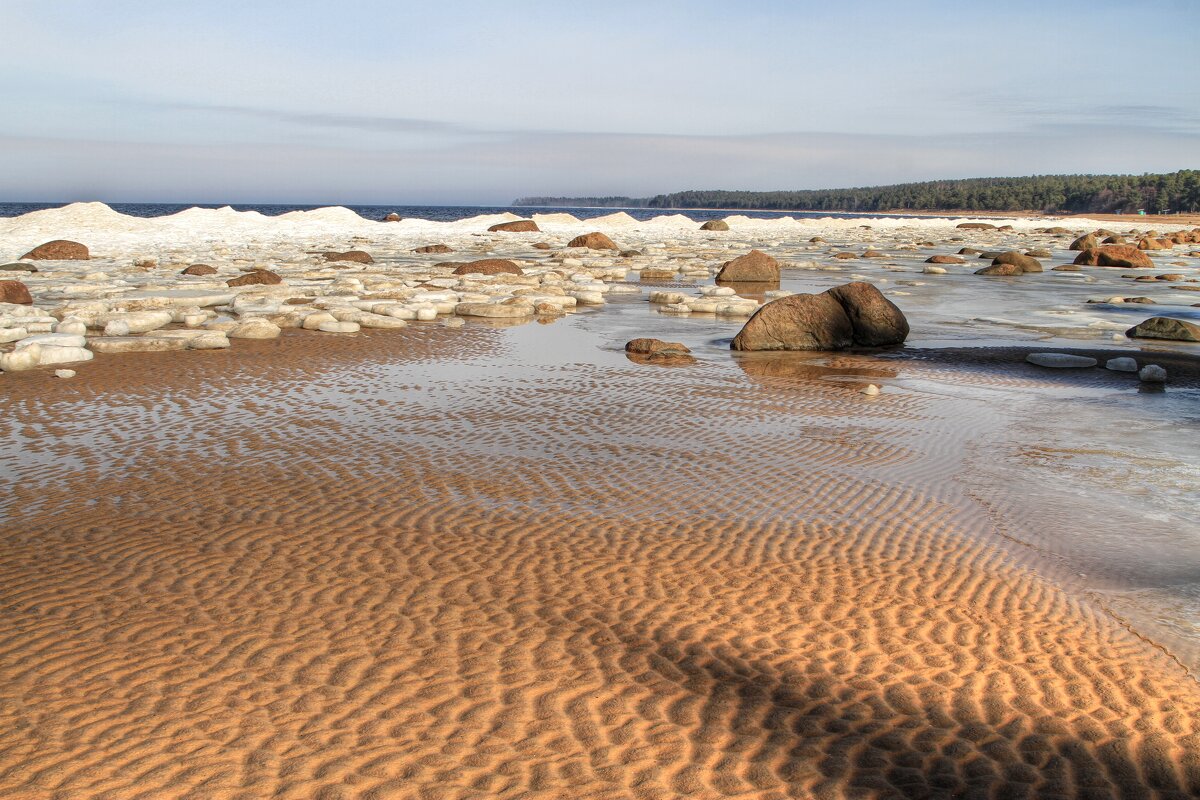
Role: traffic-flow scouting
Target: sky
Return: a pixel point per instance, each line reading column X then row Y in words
column 482, row 102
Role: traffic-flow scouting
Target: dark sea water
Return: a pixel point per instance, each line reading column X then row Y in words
column 437, row 213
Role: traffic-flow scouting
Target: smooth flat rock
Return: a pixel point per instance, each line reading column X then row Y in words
column 137, row 344
column 1122, row 364
column 1060, row 360
column 494, row 310
column 1176, row 330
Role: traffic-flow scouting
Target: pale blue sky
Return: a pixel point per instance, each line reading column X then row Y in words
column 480, row 102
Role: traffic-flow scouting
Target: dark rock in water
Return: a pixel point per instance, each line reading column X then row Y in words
column 852, row 314
column 993, row 254
column 715, row 225
column 263, row 277
column 357, row 256
column 1039, row 254
column 541, row 246
column 1001, row 269
column 1176, row 330
column 845, row 256
column 656, row 351
column 392, row 217
column 1114, row 255
column 1067, row 268
column 434, row 248
column 1171, row 276
column 1005, row 228
column 488, row 266
column 874, row 254
column 1026, row 263
column 58, row 250
column 1115, row 240
column 650, row 346
column 519, row 226
column 816, row 240
column 945, row 260
column 877, row 321
column 976, row 226
column 15, row 292
column 754, row 266
column 198, row 269
column 593, row 241
column 630, row 253
column 969, row 251
column 17, row 266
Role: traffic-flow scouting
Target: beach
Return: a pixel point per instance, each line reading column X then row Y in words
column 477, row 556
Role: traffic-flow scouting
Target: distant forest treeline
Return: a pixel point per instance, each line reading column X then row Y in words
column 1107, row 194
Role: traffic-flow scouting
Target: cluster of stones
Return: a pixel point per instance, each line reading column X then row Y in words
column 143, row 307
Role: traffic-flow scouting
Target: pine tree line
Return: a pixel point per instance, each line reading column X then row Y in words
column 1105, row 194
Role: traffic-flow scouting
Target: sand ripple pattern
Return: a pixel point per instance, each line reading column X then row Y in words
column 385, row 575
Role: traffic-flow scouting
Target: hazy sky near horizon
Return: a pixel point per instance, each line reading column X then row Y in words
column 478, row 102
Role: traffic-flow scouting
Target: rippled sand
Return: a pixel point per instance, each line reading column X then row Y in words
column 466, row 564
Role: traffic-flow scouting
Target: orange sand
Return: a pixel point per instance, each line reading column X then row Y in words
column 301, row 570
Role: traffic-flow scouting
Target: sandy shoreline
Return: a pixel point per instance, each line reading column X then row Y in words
column 449, row 564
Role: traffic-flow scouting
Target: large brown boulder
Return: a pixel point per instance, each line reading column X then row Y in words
column 434, row 248
column 520, row 226
column 198, row 269
column 945, row 260
column 715, row 225
column 1149, row 243
column 1026, row 263
column 852, row 314
column 976, row 226
column 1085, row 242
column 652, row 346
column 488, row 266
column 1001, row 269
column 15, row 292
column 357, row 256
column 259, row 277
column 1177, row 330
column 58, row 250
column 754, row 266
column 1114, row 255
column 593, row 241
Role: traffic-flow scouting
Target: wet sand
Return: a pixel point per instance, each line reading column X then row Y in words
column 470, row 564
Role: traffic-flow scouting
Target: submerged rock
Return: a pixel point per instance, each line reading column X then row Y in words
column 852, row 314
column 1060, row 360
column 18, row 266
column 1177, row 330
column 755, row 266
column 652, row 346
column 1001, row 269
column 434, row 248
column 1114, row 255
column 1152, row 373
column 1026, row 263
column 355, row 256
column 1122, row 364
column 945, row 260
column 58, row 250
column 976, row 226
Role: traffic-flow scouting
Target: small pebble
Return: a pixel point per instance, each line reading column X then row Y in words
column 64, row 373
column 871, row 390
